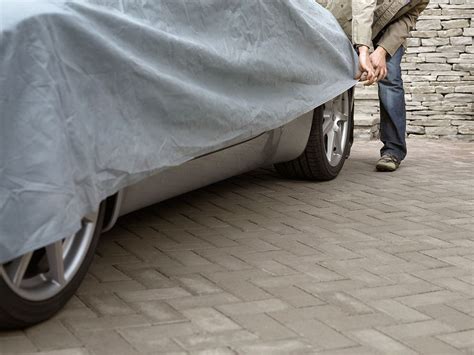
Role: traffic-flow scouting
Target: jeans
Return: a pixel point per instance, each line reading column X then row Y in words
column 392, row 109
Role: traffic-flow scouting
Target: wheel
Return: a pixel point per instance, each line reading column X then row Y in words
column 34, row 286
column 329, row 143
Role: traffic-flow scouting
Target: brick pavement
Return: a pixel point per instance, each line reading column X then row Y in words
column 368, row 263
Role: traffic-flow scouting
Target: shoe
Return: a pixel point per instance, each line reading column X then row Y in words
column 388, row 162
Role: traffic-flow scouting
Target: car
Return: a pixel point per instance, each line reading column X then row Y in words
column 38, row 283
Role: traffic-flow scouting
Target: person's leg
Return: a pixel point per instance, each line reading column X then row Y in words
column 392, row 109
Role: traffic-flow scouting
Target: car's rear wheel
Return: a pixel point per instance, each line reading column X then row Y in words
column 34, row 286
column 329, row 142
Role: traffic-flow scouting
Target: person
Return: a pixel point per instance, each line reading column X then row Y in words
column 383, row 25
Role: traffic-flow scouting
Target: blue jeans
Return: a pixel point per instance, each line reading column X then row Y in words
column 392, row 109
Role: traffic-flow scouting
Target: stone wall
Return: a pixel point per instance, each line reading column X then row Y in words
column 438, row 71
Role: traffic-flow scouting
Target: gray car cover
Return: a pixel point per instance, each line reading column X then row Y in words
column 98, row 94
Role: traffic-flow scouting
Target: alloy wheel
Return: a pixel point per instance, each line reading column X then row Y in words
column 336, row 128
column 43, row 273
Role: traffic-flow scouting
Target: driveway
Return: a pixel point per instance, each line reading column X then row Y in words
column 368, row 263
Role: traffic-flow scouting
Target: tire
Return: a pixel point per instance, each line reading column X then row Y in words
column 39, row 295
column 318, row 161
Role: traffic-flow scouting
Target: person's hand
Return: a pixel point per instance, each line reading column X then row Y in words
column 366, row 71
column 379, row 62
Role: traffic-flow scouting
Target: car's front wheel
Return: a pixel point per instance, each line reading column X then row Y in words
column 329, row 142
column 34, row 286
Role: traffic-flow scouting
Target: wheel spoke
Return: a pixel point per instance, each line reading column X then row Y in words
column 67, row 244
column 54, row 254
column 330, row 145
column 18, row 268
column 341, row 110
column 338, row 142
column 327, row 125
column 345, row 105
column 341, row 117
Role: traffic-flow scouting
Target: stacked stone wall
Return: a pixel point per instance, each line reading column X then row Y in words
column 438, row 72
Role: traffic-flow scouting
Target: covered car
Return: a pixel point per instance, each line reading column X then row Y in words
column 98, row 96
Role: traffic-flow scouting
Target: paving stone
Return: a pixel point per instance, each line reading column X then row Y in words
column 175, row 271
column 106, row 273
column 91, row 286
column 277, row 347
column 398, row 311
column 381, row 342
column 188, row 258
column 463, row 305
column 417, row 329
column 450, row 316
column 229, row 258
column 243, row 289
column 210, row 320
column 16, row 344
column 429, row 298
column 295, row 296
column 197, row 284
column 11, row 333
column 282, row 281
column 153, row 294
column 355, row 350
column 52, row 335
column 214, row 351
column 460, row 339
column 203, row 301
column 255, row 307
column 75, row 309
column 108, row 304
column 75, row 313
column 158, row 312
column 431, row 345
column 72, row 351
column 265, row 327
column 200, row 341
column 322, row 313
column 105, row 342
column 106, row 323
column 382, row 292
column 149, row 277
column 346, row 302
column 320, row 334
column 271, row 266
column 360, row 321
column 149, row 339
column 330, row 286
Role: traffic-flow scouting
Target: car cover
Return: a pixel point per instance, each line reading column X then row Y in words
column 96, row 95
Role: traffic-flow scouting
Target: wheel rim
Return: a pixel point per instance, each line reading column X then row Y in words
column 43, row 273
column 336, row 128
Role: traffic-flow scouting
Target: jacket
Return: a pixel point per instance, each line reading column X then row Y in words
column 387, row 21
